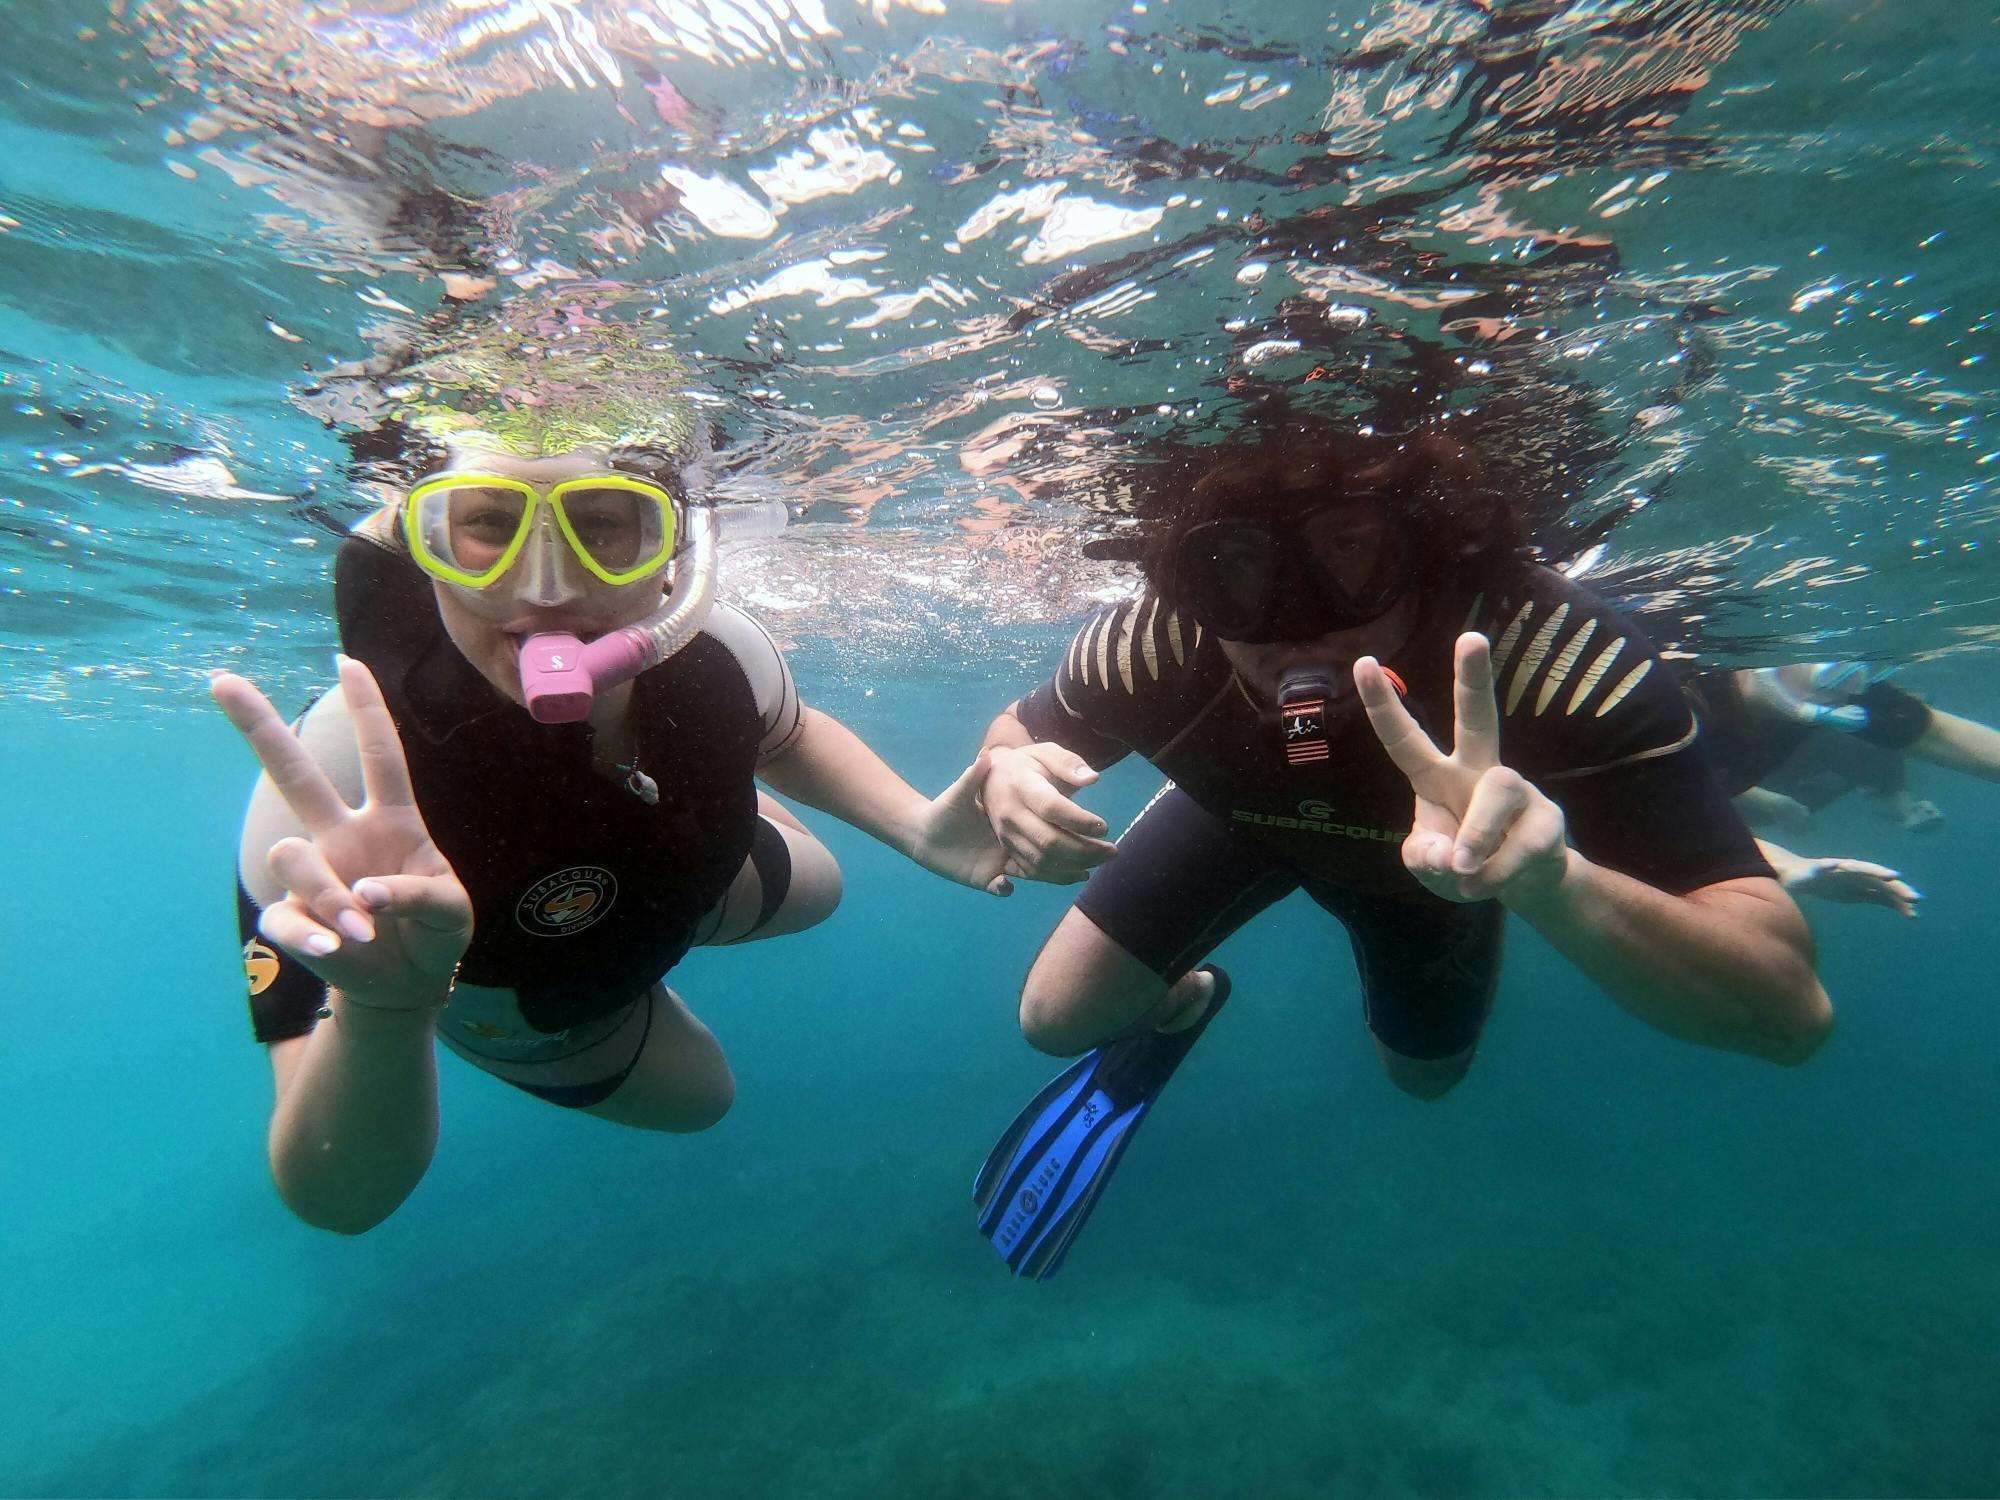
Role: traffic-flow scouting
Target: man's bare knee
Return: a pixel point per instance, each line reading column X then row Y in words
column 1054, row 1023
column 1083, row 989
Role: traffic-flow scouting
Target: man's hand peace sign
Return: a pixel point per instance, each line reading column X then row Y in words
column 1481, row 831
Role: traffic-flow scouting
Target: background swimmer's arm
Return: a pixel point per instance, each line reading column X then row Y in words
column 1046, row 747
column 827, row 765
column 1960, row 744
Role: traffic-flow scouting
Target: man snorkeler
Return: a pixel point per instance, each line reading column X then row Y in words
column 1321, row 609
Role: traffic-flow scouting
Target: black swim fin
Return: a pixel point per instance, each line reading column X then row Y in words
column 1043, row 1178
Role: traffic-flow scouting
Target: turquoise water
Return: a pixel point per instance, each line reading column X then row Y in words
column 1606, row 1264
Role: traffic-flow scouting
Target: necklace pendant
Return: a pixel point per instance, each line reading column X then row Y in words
column 642, row 786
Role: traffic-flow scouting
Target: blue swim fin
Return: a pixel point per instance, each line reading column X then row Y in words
column 1043, row 1178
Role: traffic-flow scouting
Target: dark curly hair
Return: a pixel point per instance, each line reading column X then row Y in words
column 1461, row 529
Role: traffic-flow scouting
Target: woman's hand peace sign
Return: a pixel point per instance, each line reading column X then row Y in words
column 370, row 904
column 1481, row 831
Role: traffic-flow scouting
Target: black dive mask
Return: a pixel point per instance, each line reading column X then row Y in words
column 1328, row 567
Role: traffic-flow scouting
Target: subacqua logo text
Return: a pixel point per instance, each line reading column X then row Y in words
column 1316, row 816
column 567, row 902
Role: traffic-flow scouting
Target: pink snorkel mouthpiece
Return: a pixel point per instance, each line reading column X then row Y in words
column 560, row 675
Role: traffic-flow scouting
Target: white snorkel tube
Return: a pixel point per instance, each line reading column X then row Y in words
column 560, row 675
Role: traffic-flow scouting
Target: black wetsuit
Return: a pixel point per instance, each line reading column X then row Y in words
column 1588, row 714
column 583, row 892
column 1814, row 763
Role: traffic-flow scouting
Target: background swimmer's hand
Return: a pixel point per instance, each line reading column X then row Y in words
column 1853, row 881
column 1481, row 831
column 370, row 904
column 1047, row 836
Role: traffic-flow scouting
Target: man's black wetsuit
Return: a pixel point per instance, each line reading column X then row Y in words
column 583, row 892
column 1814, row 763
column 1589, row 714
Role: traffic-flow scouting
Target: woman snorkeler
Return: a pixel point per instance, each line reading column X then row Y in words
column 534, row 788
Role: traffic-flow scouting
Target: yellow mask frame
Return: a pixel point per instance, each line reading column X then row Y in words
column 433, row 491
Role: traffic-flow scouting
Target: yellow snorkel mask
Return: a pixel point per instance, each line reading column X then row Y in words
column 471, row 528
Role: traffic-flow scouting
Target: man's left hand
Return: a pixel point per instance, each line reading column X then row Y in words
column 1481, row 830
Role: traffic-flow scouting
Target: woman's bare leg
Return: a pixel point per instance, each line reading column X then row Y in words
column 680, row 1081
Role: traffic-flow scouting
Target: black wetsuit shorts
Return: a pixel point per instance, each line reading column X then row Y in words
column 1183, row 880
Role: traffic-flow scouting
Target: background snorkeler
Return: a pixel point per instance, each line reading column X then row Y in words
column 423, row 859
column 1790, row 741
